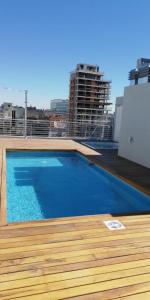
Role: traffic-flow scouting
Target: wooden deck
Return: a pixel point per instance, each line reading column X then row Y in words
column 75, row 258
column 72, row 258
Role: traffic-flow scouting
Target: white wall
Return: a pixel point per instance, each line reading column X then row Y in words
column 135, row 126
column 118, row 118
column 19, row 112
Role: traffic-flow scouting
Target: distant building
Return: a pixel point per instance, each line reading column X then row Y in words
column 88, row 100
column 89, row 94
column 1, row 113
column 12, row 119
column 59, row 106
column 35, row 113
column 57, row 117
column 48, row 113
column 141, row 74
column 11, row 111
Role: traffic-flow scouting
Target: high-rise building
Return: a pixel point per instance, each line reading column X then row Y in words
column 89, row 94
column 141, row 74
column 59, row 106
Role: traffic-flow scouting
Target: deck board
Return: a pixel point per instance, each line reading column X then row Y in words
column 76, row 257
column 112, row 265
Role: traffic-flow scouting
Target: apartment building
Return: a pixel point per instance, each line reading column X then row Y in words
column 89, row 94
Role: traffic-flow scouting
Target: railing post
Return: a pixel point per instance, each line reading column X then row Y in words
column 25, row 114
column 102, row 135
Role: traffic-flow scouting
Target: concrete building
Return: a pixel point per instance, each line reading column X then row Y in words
column 35, row 113
column 1, row 113
column 118, row 118
column 134, row 143
column 12, row 118
column 11, row 111
column 59, row 106
column 89, row 94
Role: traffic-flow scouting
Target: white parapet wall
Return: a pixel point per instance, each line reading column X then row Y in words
column 135, row 126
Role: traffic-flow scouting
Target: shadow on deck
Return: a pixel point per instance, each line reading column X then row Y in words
column 129, row 171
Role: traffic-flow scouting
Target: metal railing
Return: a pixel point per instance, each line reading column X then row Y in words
column 101, row 129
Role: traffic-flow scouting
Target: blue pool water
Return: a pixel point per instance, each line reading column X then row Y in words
column 101, row 145
column 43, row 185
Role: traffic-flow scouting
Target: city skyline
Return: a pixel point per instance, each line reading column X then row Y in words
column 40, row 47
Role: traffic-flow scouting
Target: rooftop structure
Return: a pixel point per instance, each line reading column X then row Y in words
column 141, row 74
column 134, row 141
column 132, row 122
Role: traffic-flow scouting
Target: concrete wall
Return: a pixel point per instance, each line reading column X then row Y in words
column 135, row 127
column 19, row 111
column 118, row 118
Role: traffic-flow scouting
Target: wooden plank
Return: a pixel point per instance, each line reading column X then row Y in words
column 38, row 271
column 87, row 289
column 45, row 249
column 44, row 261
column 99, row 231
column 56, row 252
column 80, row 219
column 60, row 285
column 139, row 296
column 117, row 293
column 49, row 231
column 70, row 263
column 80, row 243
column 71, row 226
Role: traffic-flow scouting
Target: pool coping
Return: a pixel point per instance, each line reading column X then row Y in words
column 75, row 146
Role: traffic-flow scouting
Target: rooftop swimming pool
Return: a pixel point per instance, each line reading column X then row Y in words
column 44, row 184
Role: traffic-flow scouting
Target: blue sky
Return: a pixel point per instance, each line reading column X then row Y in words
column 41, row 41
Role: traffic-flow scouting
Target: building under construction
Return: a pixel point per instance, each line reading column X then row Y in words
column 89, row 96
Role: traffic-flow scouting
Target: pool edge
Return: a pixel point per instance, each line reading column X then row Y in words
column 81, row 149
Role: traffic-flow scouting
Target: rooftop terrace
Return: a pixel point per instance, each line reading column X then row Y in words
column 74, row 258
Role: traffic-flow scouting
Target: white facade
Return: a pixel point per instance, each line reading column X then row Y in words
column 6, row 108
column 18, row 112
column 135, row 126
column 12, row 112
column 118, row 118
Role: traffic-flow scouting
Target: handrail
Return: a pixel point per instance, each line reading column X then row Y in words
column 101, row 128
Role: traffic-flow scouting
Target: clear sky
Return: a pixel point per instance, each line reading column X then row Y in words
column 41, row 41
